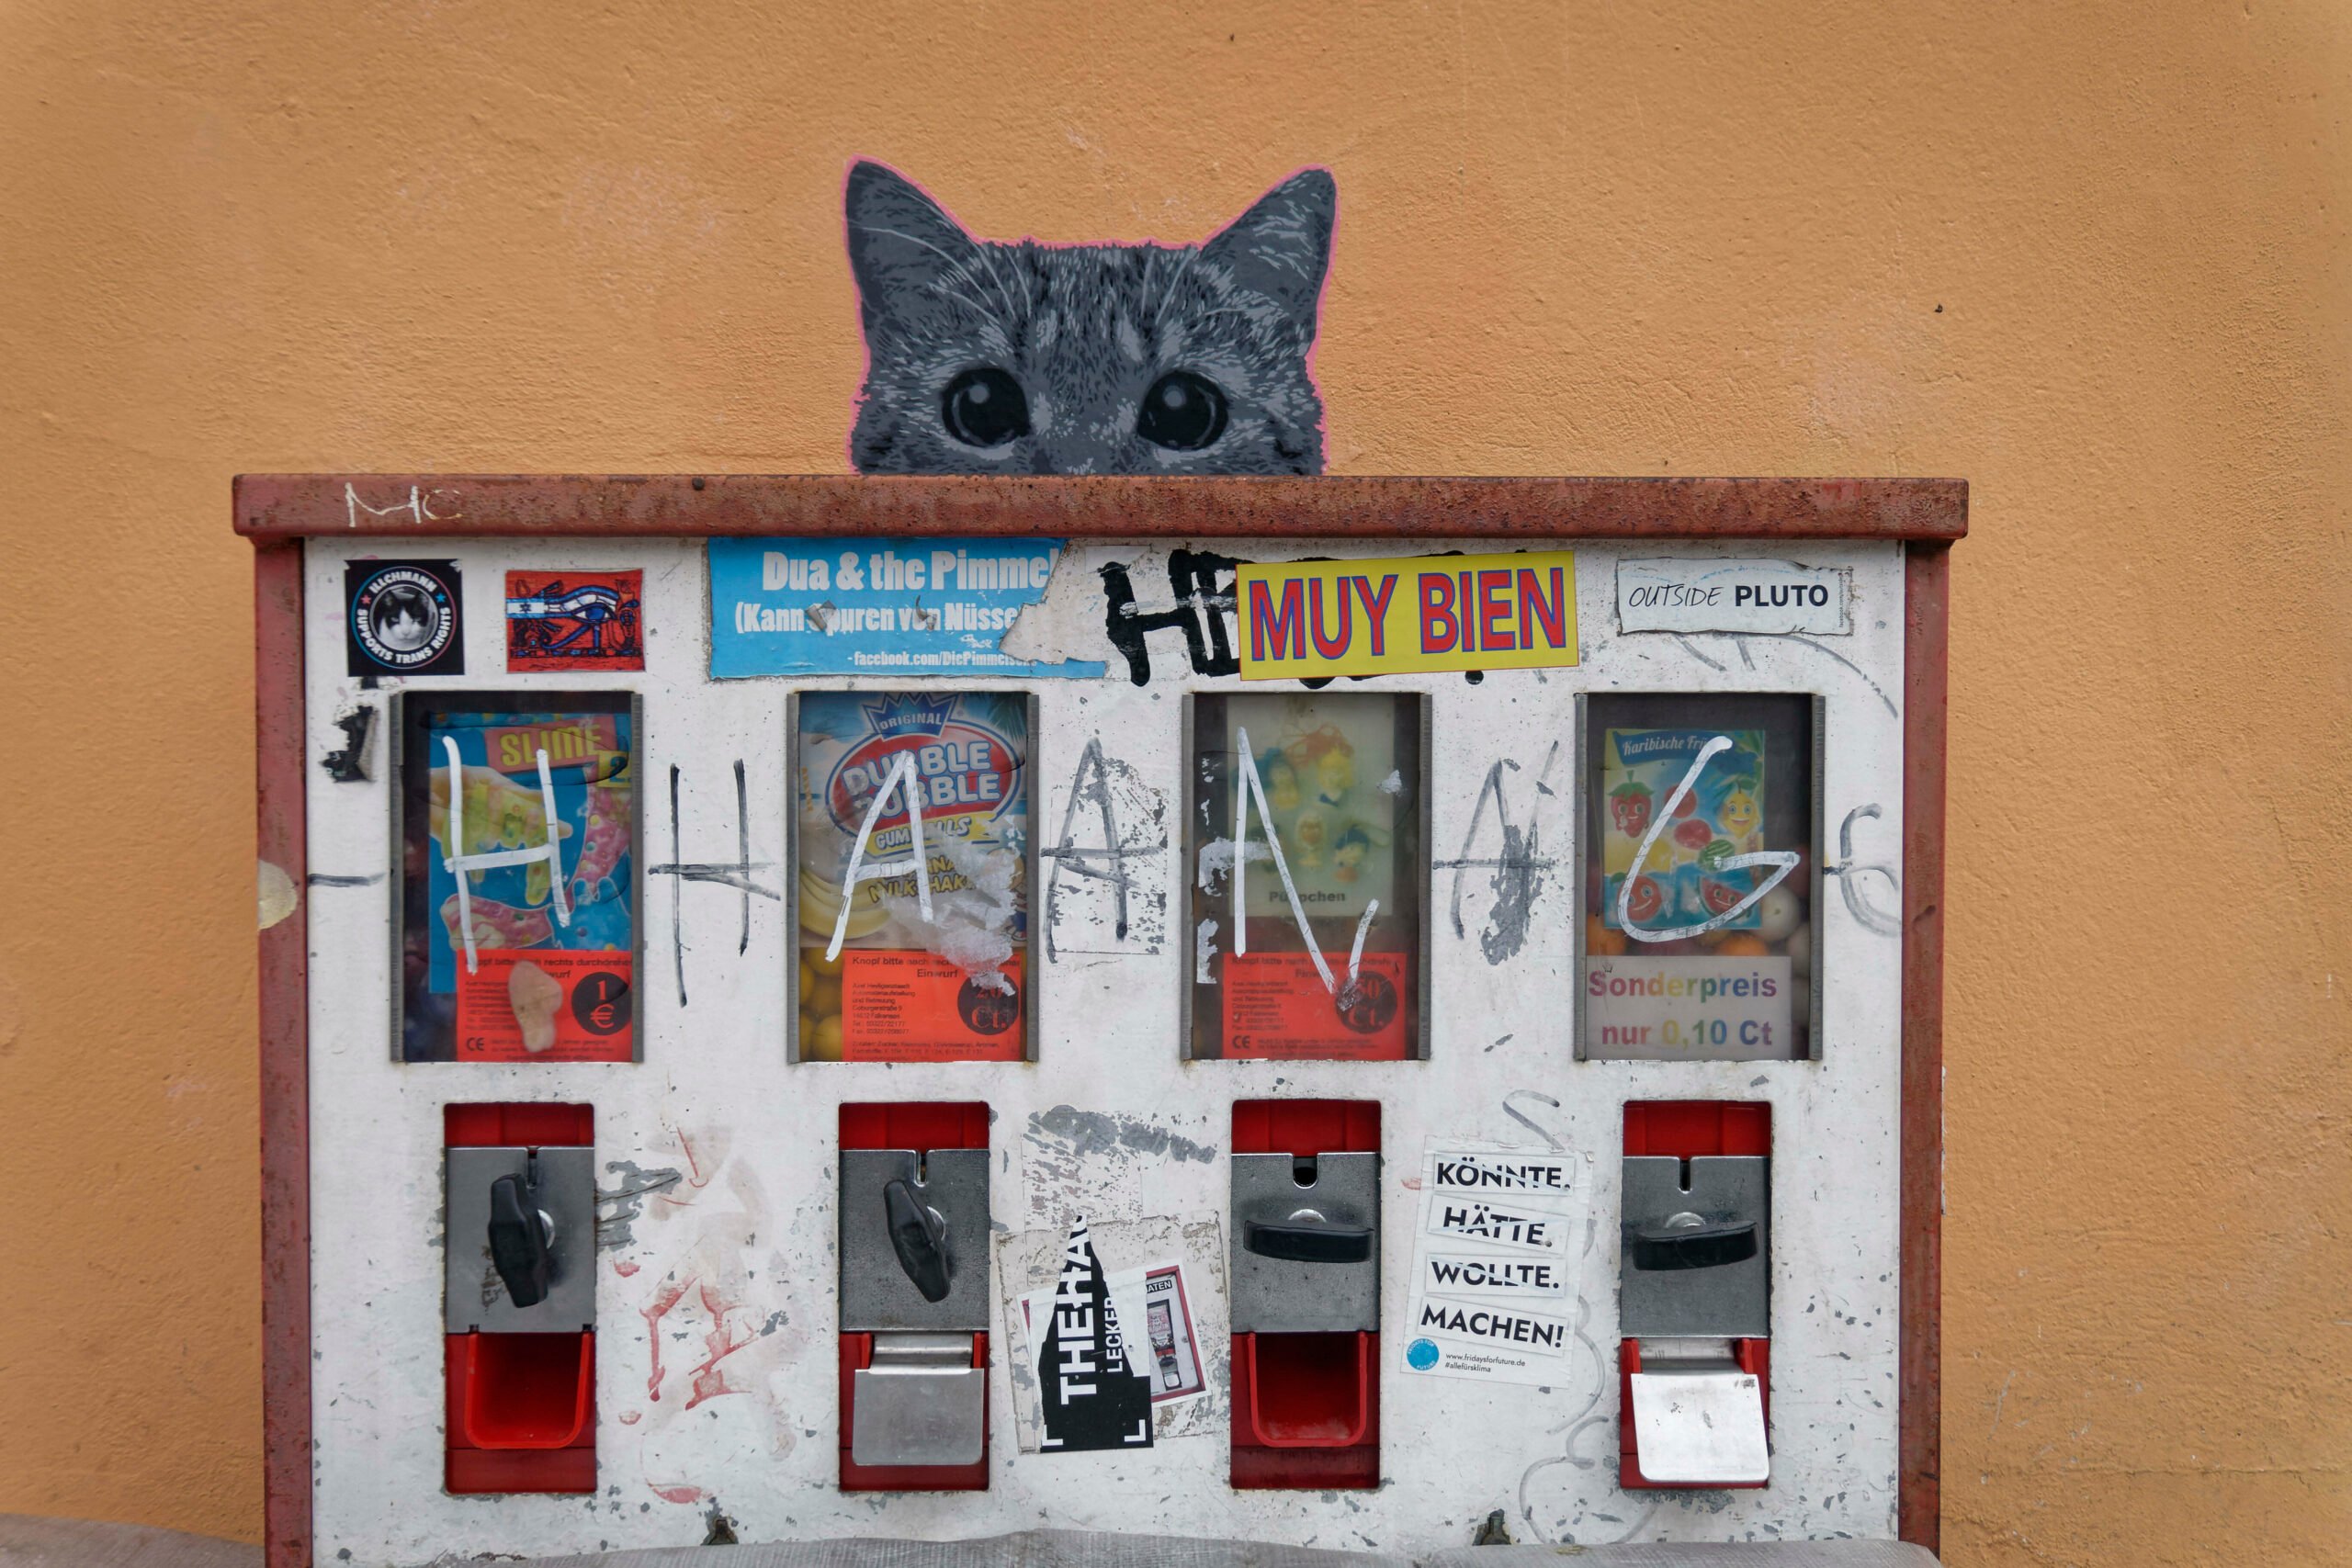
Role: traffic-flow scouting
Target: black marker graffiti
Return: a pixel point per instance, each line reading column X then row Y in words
column 1518, row 871
column 737, row 875
column 1092, row 783
column 1198, row 608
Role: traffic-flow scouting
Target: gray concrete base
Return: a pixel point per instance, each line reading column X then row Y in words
column 30, row 1542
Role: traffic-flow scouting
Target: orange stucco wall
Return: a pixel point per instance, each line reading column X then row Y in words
column 2091, row 257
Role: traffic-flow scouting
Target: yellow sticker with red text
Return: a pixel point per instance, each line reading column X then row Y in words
column 1306, row 619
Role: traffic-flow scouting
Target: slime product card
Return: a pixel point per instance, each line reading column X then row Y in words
column 1331, row 782
column 879, row 773
column 551, row 974
column 1683, row 883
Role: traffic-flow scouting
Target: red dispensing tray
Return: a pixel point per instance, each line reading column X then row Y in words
column 1305, row 1406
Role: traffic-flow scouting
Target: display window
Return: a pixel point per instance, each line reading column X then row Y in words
column 1304, row 824
column 1701, row 857
column 516, row 838
column 912, row 861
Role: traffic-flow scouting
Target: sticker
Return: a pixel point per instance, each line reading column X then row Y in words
column 1304, row 620
column 1094, row 1397
column 1167, row 1352
column 404, row 617
column 919, row 1007
column 1275, row 1007
column 1658, row 1008
column 591, row 1011
column 1487, row 1278
column 1765, row 597
column 1513, row 1226
column 573, row 620
column 897, row 963
column 907, row 607
column 1684, row 881
column 1496, row 1264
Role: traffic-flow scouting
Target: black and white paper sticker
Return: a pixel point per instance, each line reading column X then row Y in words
column 1091, row 1399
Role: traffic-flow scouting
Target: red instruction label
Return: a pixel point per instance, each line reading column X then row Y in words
column 1276, row 1007
column 577, row 1008
column 919, row 1007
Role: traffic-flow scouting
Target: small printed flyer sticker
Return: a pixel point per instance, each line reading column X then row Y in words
column 548, row 980
column 1276, row 1007
column 1155, row 1297
column 928, row 970
column 1721, row 815
column 404, row 617
column 1497, row 1259
column 573, row 620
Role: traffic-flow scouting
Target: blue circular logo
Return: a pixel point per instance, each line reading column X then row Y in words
column 1421, row 1355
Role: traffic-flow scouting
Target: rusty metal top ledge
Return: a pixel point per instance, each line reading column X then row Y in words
column 424, row 506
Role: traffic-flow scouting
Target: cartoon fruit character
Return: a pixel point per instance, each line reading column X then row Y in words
column 1646, row 901
column 1335, row 775
column 1630, row 804
column 1738, row 814
column 1281, row 783
column 1347, row 855
column 1721, row 897
column 1312, row 833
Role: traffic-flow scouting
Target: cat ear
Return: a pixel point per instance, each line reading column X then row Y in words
column 901, row 245
column 1280, row 246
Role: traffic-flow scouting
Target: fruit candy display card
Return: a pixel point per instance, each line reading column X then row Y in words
column 549, row 973
column 886, row 778
column 1682, row 882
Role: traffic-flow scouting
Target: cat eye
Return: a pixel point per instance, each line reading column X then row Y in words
column 984, row 406
column 1184, row 412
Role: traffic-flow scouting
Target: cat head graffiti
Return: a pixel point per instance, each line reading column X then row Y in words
column 1087, row 359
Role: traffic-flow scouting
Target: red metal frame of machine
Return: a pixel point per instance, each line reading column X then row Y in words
column 277, row 512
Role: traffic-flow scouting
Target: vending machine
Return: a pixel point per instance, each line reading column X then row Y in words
column 1342, row 1011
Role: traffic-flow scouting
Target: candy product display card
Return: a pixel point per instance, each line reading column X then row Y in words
column 1305, row 848
column 519, row 878
column 912, row 850
column 1701, row 843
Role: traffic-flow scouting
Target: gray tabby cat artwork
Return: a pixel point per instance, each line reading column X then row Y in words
column 1029, row 358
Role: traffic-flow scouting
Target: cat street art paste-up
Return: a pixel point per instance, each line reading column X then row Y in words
column 1028, row 358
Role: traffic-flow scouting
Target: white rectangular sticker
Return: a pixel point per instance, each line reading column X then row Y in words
column 1484, row 1277
column 1496, row 1262
column 1696, row 1008
column 1516, row 1227
column 1698, row 594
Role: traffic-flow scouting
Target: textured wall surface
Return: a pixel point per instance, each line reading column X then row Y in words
column 2092, row 258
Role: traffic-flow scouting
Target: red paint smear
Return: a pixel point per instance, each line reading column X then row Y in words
column 653, row 1315
column 625, row 1269
column 631, row 1417
column 678, row 1494
column 709, row 1382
